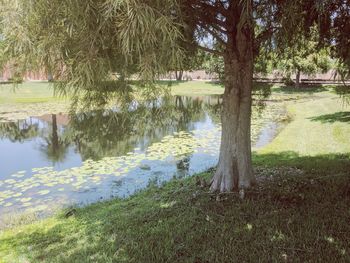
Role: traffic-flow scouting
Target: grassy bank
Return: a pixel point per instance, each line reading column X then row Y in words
column 299, row 213
column 38, row 98
column 28, row 92
column 39, row 92
column 29, row 99
column 196, row 88
column 320, row 125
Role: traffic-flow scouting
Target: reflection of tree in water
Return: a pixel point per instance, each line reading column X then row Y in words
column 214, row 107
column 183, row 166
column 56, row 145
column 19, row 131
column 102, row 133
column 110, row 133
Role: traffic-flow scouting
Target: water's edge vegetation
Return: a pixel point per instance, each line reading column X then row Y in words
column 81, row 158
column 299, row 211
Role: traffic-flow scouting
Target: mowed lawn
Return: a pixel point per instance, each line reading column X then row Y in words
column 38, row 98
column 199, row 88
column 28, row 92
column 35, row 92
column 319, row 125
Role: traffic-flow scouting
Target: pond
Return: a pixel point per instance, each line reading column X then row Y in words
column 57, row 160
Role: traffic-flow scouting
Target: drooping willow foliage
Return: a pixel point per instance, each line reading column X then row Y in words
column 92, row 47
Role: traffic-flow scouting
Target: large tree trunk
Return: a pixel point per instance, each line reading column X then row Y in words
column 234, row 169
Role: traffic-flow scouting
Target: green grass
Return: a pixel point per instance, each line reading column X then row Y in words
column 299, row 212
column 29, row 99
column 35, row 92
column 37, row 98
column 28, row 92
column 194, row 88
column 319, row 125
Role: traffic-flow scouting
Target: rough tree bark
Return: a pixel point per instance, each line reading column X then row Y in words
column 234, row 169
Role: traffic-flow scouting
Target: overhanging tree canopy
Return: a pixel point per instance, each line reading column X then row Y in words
column 81, row 42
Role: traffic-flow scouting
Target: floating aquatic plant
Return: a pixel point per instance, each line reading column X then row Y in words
column 42, row 182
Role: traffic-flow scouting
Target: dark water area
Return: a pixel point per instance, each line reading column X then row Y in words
column 65, row 159
column 57, row 160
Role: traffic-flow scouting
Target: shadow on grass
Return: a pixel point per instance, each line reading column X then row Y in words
column 320, row 163
column 262, row 90
column 256, row 85
column 342, row 89
column 170, row 83
column 342, row 116
column 215, row 83
column 302, row 89
column 181, row 222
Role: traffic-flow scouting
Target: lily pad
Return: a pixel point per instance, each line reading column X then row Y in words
column 43, row 192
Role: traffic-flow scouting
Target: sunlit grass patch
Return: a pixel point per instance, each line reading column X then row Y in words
column 319, row 126
column 28, row 92
column 193, row 88
column 293, row 214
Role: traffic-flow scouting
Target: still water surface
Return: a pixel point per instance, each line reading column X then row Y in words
column 58, row 160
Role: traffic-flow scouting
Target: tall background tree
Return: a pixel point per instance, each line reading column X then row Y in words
column 303, row 57
column 83, row 42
